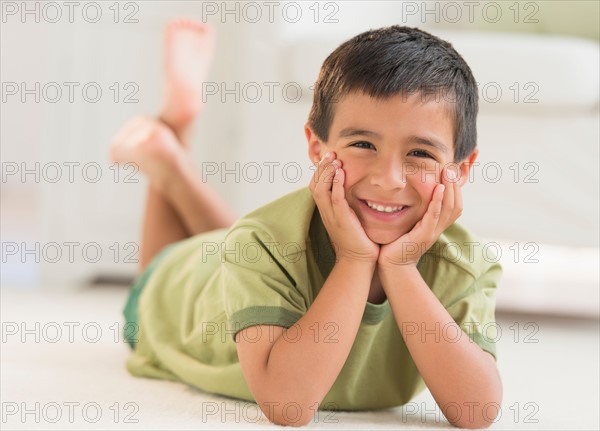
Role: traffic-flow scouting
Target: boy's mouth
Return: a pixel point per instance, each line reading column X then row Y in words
column 377, row 212
column 386, row 208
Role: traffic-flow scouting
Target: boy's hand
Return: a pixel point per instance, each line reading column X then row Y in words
column 345, row 231
column 444, row 208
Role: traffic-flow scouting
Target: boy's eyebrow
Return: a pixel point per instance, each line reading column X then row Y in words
column 429, row 142
column 345, row 133
column 349, row 132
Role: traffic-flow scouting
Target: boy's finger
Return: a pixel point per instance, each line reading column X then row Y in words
column 320, row 170
column 458, row 201
column 321, row 167
column 324, row 178
column 337, row 191
column 322, row 189
column 453, row 201
column 327, row 179
column 325, row 160
column 450, row 181
column 434, row 210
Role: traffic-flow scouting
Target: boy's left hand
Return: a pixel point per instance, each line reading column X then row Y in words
column 444, row 208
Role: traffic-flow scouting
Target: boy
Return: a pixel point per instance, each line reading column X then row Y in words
column 352, row 293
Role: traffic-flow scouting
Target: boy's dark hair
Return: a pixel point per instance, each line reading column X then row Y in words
column 399, row 60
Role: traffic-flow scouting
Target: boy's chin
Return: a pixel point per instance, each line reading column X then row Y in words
column 383, row 237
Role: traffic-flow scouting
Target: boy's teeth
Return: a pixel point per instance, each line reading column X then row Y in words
column 381, row 208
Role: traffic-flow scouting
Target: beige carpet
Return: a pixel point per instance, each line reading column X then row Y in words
column 77, row 380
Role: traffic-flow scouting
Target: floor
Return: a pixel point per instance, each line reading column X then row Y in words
column 61, row 368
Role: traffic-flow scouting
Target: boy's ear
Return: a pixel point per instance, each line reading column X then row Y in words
column 465, row 166
column 315, row 146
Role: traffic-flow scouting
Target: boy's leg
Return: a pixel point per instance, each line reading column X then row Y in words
column 179, row 203
column 189, row 49
column 161, row 224
column 199, row 206
column 188, row 53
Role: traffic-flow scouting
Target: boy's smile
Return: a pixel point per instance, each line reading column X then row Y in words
column 392, row 152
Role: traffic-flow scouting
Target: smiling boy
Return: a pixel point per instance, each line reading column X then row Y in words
column 344, row 294
column 393, row 150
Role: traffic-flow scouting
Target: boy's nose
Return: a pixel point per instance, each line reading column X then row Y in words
column 388, row 174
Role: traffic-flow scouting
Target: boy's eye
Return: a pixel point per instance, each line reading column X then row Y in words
column 421, row 153
column 362, row 144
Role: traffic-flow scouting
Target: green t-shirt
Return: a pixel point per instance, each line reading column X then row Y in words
column 267, row 269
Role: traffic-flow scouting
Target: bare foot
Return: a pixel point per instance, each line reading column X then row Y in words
column 151, row 146
column 189, row 49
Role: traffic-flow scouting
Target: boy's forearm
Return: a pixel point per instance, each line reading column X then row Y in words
column 455, row 369
column 304, row 367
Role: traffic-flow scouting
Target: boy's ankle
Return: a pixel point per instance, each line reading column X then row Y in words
column 180, row 125
column 176, row 167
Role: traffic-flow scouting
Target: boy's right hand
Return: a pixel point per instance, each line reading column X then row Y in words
column 347, row 235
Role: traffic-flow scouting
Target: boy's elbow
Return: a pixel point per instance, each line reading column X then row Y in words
column 474, row 424
column 478, row 415
column 285, row 421
column 287, row 413
column 287, row 409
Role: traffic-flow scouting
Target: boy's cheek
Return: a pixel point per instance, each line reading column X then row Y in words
column 350, row 174
column 425, row 185
column 424, row 175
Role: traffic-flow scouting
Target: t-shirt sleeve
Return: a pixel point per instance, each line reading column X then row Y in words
column 256, row 285
column 474, row 310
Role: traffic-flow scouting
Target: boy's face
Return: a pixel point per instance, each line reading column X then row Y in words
column 382, row 144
